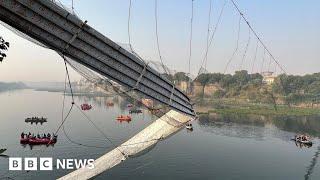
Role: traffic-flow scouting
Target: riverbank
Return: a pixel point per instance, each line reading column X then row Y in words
column 226, row 107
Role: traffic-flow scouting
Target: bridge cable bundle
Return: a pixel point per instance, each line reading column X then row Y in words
column 211, row 39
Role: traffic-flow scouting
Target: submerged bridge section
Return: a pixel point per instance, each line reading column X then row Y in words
column 60, row 30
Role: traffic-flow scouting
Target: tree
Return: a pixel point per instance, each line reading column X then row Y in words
column 242, row 77
column 203, row 79
column 167, row 76
column 3, row 47
column 181, row 76
column 216, row 77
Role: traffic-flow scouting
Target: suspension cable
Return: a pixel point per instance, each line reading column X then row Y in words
column 213, row 35
column 208, row 32
column 270, row 60
column 63, row 127
column 263, row 59
column 190, row 41
column 245, row 51
column 129, row 19
column 86, row 115
column 254, row 32
column 102, row 133
column 236, row 48
column 72, row 5
column 70, row 86
column 157, row 35
column 255, row 56
column 72, row 104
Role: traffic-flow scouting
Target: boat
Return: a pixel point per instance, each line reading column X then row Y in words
column 303, row 139
column 189, row 126
column 35, row 120
column 2, row 150
column 135, row 111
column 86, row 107
column 44, row 141
column 124, row 118
column 38, row 140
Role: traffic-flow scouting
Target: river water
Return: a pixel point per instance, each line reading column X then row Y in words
column 214, row 150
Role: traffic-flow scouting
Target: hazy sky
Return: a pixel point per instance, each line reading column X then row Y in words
column 290, row 28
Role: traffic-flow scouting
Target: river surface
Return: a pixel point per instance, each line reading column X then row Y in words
column 214, row 150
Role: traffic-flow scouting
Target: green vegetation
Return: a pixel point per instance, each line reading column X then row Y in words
column 298, row 89
column 3, row 47
column 286, row 89
column 267, row 111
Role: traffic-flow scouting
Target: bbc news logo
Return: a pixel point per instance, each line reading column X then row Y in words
column 47, row 164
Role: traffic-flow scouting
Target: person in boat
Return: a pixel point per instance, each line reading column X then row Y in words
column 22, row 135
column 44, row 135
column 49, row 135
column 55, row 137
column 38, row 136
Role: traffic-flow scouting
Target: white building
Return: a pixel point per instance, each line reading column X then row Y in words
column 268, row 77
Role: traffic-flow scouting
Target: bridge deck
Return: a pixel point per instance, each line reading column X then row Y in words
column 65, row 33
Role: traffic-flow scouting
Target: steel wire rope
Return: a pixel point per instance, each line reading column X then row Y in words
column 63, row 127
column 236, row 48
column 263, row 59
column 255, row 33
column 245, row 51
column 190, row 40
column 255, row 56
column 157, row 36
column 212, row 36
column 208, row 32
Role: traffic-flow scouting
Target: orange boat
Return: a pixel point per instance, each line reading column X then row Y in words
column 124, row 118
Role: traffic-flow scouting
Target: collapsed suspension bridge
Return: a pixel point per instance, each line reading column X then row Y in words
column 94, row 55
column 54, row 27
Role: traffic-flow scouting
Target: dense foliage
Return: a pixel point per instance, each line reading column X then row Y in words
column 230, row 85
column 298, row 88
column 286, row 88
column 3, row 47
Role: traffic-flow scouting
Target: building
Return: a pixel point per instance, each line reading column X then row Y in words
column 268, row 77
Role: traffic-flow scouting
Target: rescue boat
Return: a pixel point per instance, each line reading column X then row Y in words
column 124, row 118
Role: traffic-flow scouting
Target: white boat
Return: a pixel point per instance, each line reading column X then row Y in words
column 189, row 126
column 302, row 140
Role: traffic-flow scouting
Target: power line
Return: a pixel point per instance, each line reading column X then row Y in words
column 254, row 32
